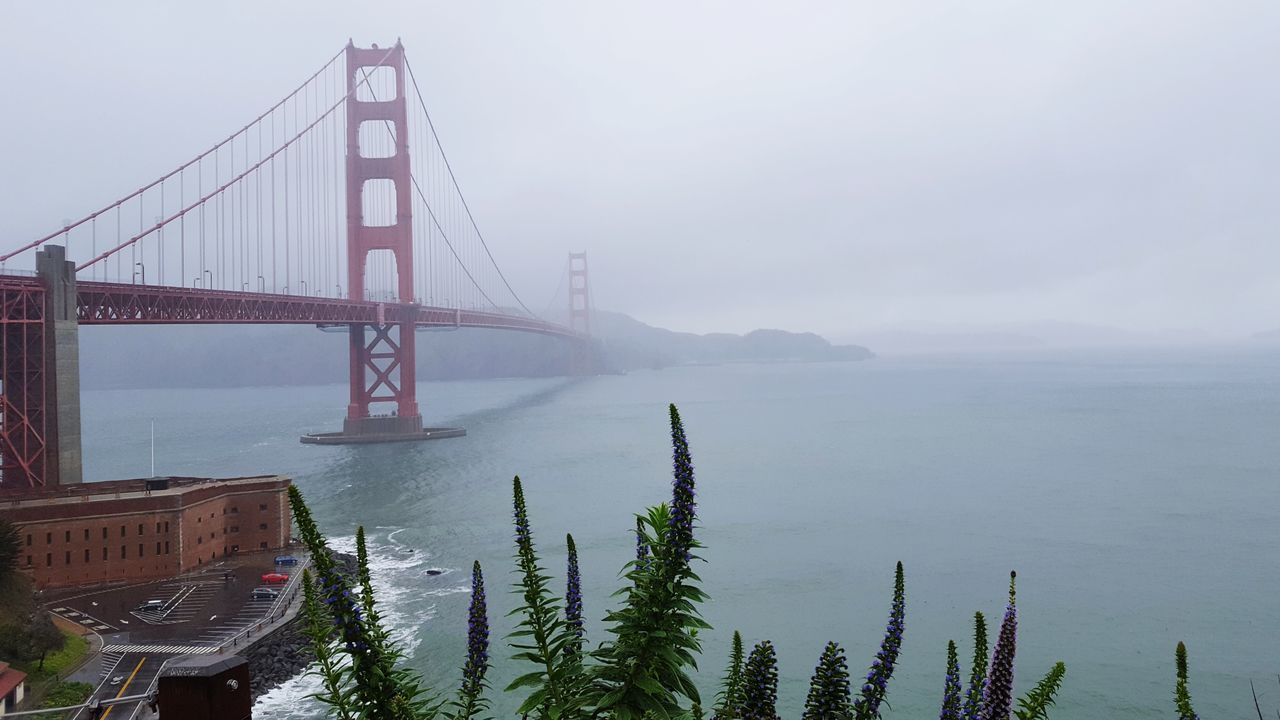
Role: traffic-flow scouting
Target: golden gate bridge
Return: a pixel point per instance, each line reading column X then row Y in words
column 336, row 207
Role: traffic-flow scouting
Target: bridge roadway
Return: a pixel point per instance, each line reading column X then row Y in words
column 103, row 303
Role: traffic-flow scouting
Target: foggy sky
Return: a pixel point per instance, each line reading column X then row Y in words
column 832, row 167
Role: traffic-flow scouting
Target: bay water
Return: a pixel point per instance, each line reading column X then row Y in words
column 1136, row 494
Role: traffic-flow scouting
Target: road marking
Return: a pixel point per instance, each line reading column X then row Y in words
column 124, row 687
column 117, row 657
column 158, row 649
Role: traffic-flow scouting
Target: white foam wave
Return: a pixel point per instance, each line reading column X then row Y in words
column 398, row 579
column 292, row 700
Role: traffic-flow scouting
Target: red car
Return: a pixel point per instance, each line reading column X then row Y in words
column 275, row 578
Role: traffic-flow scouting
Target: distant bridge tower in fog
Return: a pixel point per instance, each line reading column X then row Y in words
column 584, row 355
column 579, row 294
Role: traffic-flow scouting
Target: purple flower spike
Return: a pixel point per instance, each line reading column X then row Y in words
column 760, row 684
column 876, row 686
column 997, row 699
column 951, row 690
column 477, row 636
column 684, row 508
column 642, row 548
column 573, row 598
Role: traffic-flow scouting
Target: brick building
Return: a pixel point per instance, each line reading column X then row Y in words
column 144, row 529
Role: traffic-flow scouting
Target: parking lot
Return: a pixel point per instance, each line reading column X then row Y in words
column 146, row 624
column 197, row 610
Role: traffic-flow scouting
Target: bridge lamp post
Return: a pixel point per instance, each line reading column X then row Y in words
column 144, row 273
column 210, row 274
column 339, row 286
column 195, row 281
column 262, row 284
column 304, row 286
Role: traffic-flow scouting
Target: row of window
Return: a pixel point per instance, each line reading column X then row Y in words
column 234, row 511
column 124, row 554
column 161, row 527
column 66, row 535
column 48, row 538
column 226, row 531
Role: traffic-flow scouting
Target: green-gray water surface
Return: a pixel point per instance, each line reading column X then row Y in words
column 1136, row 496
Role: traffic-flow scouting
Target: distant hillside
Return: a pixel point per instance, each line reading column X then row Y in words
column 632, row 344
column 248, row 355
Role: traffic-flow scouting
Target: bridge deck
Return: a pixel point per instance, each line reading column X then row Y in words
column 100, row 303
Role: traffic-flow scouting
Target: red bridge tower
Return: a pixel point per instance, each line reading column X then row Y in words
column 383, row 373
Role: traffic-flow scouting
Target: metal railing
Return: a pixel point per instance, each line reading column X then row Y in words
column 277, row 610
column 92, row 704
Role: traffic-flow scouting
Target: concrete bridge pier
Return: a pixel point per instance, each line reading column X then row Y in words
column 63, row 461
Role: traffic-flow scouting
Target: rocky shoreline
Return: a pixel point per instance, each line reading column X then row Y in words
column 286, row 651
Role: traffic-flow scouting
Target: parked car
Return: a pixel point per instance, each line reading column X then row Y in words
column 117, row 680
column 286, row 560
column 151, row 605
column 270, row 578
column 265, row 593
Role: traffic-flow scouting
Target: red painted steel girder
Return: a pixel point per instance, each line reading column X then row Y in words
column 101, row 303
column 24, row 391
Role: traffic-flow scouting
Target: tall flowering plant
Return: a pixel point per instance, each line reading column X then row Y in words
column 362, row 676
column 542, row 635
column 876, row 685
column 729, row 701
column 760, row 684
column 470, row 701
column 1182, row 695
column 573, row 598
column 978, row 675
column 991, row 695
column 997, row 699
column 829, row 688
column 645, row 668
column 951, row 709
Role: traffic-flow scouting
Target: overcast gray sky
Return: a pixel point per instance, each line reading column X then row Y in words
column 835, row 167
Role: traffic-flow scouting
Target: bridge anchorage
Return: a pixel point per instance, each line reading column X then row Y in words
column 252, row 230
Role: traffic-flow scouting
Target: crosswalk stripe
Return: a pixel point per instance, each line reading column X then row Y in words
column 170, row 649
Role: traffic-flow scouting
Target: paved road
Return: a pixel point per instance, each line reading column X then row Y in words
column 138, row 670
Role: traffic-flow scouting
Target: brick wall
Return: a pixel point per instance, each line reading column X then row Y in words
column 131, row 536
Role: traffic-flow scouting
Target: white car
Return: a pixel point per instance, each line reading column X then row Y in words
column 117, row 680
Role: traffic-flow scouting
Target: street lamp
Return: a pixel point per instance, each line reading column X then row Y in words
column 144, row 273
column 262, row 284
column 210, row 274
